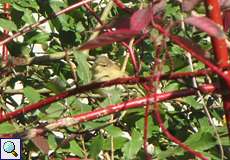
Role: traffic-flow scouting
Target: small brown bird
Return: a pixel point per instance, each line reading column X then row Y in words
column 105, row 69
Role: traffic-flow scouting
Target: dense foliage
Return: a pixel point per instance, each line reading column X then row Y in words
column 46, row 61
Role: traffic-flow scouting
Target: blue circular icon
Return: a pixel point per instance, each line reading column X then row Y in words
column 9, row 147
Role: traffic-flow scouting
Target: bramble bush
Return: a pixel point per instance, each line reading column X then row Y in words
column 175, row 103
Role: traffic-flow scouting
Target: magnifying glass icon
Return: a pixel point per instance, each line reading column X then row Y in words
column 9, row 147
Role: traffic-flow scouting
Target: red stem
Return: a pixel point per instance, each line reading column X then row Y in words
column 219, row 45
column 93, row 13
column 104, row 111
column 5, row 51
column 121, row 5
column 221, row 53
column 139, row 102
column 133, row 57
column 5, row 33
column 199, row 56
column 80, row 89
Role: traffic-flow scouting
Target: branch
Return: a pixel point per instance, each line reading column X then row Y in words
column 104, row 111
column 80, row 89
column 221, row 53
column 196, row 54
column 174, row 139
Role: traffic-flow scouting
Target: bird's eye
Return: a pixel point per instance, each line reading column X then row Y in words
column 103, row 65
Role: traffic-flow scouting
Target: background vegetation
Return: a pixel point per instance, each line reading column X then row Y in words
column 44, row 60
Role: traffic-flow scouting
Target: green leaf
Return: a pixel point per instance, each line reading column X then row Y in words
column 131, row 148
column 169, row 152
column 64, row 21
column 193, row 102
column 53, row 87
column 96, row 146
column 140, row 125
column 225, row 141
column 32, row 95
column 18, row 7
column 28, row 4
column 7, row 24
column 205, row 126
column 76, row 149
column 72, row 148
column 37, row 37
column 53, row 111
column 118, row 143
column 199, row 141
column 77, row 106
column 27, row 17
column 114, row 131
column 83, row 70
column 113, row 95
column 7, row 128
column 80, row 27
column 52, row 141
column 172, row 86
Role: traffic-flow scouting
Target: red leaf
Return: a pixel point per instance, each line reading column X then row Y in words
column 42, row 143
column 188, row 5
column 189, row 45
column 207, row 25
column 158, row 6
column 118, row 23
column 225, row 4
column 109, row 38
column 141, row 18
